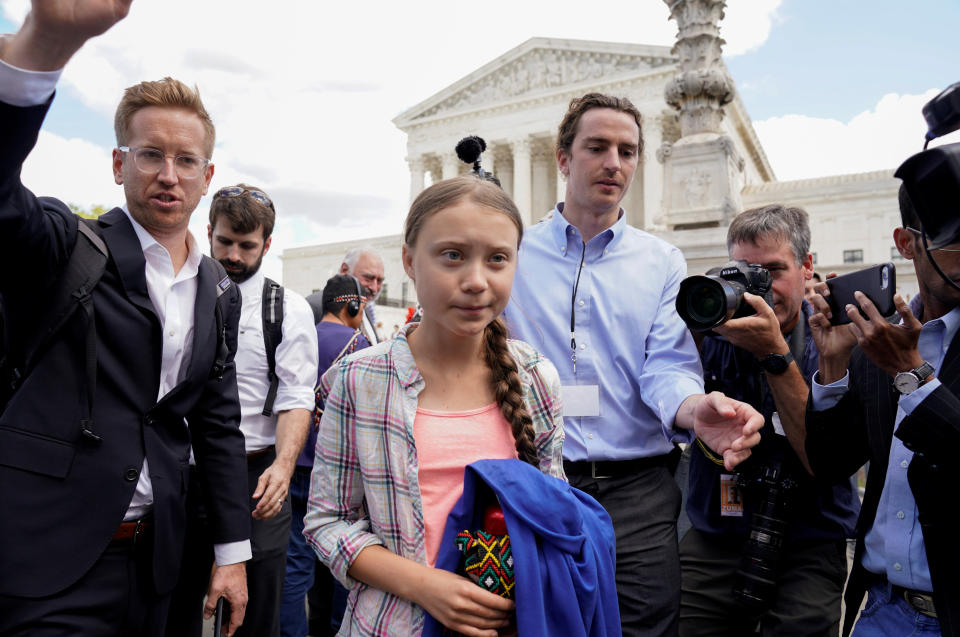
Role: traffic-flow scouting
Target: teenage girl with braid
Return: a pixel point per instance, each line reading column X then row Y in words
column 405, row 417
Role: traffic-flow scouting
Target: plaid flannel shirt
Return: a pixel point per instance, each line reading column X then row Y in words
column 364, row 487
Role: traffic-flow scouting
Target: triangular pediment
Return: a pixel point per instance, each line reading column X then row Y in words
column 536, row 67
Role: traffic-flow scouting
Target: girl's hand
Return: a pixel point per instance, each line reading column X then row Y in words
column 461, row 605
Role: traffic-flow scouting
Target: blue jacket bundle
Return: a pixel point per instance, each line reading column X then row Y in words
column 563, row 549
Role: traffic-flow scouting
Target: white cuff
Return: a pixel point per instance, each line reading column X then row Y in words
column 20, row 87
column 232, row 552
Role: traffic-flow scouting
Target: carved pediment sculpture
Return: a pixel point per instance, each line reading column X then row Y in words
column 542, row 69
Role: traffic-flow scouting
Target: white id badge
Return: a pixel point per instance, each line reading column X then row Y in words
column 581, row 400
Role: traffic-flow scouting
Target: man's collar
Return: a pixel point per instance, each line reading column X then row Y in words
column 147, row 241
column 608, row 239
column 252, row 287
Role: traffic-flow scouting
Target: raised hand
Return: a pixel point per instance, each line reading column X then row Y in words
column 834, row 342
column 56, row 29
column 893, row 348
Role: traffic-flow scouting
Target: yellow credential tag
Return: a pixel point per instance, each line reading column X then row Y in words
column 730, row 503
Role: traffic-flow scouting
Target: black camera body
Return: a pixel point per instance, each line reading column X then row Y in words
column 708, row 300
column 755, row 583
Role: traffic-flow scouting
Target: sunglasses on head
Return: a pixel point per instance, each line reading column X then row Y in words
column 236, row 191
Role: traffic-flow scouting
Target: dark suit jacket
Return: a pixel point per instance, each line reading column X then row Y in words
column 861, row 428
column 64, row 494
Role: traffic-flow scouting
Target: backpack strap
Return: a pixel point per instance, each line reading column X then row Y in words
column 223, row 350
column 272, row 311
column 349, row 348
column 71, row 291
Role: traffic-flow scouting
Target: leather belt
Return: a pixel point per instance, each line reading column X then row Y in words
column 613, row 468
column 259, row 452
column 920, row 601
column 131, row 530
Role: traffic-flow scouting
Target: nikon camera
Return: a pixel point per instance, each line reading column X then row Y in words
column 708, row 300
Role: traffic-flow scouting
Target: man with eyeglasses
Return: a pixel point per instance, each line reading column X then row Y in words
column 276, row 404
column 887, row 394
column 95, row 440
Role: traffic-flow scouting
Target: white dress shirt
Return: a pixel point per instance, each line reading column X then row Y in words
column 173, row 297
column 296, row 358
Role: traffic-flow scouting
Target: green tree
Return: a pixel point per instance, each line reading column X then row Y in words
column 94, row 212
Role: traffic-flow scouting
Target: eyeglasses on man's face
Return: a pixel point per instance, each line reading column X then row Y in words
column 151, row 160
column 236, row 191
column 953, row 247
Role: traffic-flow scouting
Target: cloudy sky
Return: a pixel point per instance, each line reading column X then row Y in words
column 303, row 92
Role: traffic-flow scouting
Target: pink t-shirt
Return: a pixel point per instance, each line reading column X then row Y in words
column 447, row 441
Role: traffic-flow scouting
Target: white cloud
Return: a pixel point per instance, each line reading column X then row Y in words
column 801, row 147
column 747, row 24
column 303, row 92
column 73, row 170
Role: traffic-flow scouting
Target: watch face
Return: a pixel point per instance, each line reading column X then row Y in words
column 775, row 363
column 905, row 382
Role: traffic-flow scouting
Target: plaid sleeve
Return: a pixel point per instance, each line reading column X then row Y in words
column 546, row 411
column 336, row 523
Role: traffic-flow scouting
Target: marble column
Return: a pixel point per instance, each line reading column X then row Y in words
column 561, row 186
column 652, row 170
column 503, row 163
column 521, row 177
column 417, row 170
column 451, row 165
column 543, row 187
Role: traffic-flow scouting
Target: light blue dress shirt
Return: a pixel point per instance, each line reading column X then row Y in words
column 630, row 340
column 893, row 546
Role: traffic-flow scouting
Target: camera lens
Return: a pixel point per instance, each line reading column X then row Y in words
column 706, row 302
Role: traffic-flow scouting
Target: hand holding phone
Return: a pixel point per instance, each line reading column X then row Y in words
column 218, row 618
column 877, row 282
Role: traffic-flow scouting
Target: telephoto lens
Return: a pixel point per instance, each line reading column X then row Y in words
column 755, row 583
column 705, row 301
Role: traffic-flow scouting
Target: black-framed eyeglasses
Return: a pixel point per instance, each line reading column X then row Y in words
column 236, row 191
column 953, row 247
column 150, row 161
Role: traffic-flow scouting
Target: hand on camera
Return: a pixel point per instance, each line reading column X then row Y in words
column 759, row 333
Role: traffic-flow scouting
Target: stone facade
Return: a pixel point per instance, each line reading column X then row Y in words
column 700, row 166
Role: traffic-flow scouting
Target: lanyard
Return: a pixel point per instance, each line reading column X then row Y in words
column 573, row 305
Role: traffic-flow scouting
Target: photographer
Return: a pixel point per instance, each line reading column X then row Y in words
column 897, row 408
column 730, row 584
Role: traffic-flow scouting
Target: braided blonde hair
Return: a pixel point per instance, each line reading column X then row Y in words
column 504, row 377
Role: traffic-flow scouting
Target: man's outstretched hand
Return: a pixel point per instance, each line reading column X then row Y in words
column 56, row 29
column 729, row 427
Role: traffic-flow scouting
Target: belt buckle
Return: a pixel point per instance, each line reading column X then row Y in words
column 593, row 471
column 138, row 530
column 920, row 602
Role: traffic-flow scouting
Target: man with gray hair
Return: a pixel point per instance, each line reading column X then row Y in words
column 767, row 544
column 366, row 266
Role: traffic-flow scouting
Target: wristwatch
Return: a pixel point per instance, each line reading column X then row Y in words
column 910, row 381
column 776, row 364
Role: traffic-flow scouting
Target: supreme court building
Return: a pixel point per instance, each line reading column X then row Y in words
column 516, row 103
